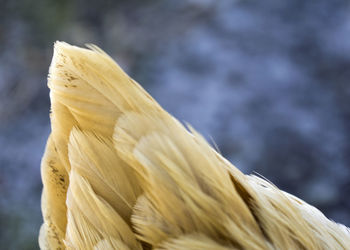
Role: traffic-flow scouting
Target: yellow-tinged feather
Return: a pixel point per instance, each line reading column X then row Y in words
column 193, row 242
column 53, row 206
column 119, row 172
column 111, row 244
column 94, row 158
column 92, row 215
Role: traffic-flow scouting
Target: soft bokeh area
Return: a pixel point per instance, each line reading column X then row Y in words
column 268, row 81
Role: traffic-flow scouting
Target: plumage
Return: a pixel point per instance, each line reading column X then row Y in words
column 119, row 172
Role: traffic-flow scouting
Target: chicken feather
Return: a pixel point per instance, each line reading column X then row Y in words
column 119, row 172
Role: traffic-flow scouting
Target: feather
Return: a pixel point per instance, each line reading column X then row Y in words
column 91, row 219
column 193, row 242
column 119, row 172
column 53, row 206
column 179, row 172
column 82, row 110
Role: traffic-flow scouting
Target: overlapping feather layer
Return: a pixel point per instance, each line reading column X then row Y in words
column 119, row 172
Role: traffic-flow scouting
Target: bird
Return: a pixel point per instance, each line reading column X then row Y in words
column 120, row 172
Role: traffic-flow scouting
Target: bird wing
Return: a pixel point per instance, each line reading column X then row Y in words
column 119, row 172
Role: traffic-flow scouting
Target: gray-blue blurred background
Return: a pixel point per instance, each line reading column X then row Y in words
column 267, row 80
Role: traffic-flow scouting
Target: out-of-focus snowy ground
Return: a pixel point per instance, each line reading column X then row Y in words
column 266, row 80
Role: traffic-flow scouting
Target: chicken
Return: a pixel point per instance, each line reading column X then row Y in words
column 119, row 172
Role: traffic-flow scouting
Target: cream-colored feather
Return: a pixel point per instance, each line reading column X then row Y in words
column 119, row 172
column 194, row 242
column 53, row 199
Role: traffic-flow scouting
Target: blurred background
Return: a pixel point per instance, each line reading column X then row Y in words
column 268, row 81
